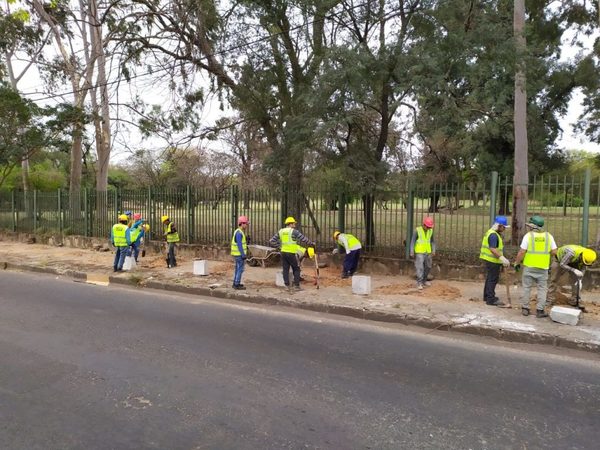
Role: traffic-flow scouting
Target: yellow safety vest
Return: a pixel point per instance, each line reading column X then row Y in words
column 352, row 241
column 485, row 253
column 288, row 244
column 538, row 251
column 423, row 244
column 135, row 232
column 171, row 237
column 577, row 250
column 235, row 251
column 119, row 233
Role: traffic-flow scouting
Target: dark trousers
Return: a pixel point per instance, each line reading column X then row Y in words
column 492, row 275
column 135, row 250
column 171, row 261
column 290, row 260
column 351, row 261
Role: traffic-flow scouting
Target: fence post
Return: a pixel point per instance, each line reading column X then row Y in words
column 493, row 191
column 59, row 206
column 35, row 212
column 586, row 207
column 284, row 202
column 188, row 207
column 13, row 201
column 410, row 211
column 235, row 206
column 85, row 212
column 342, row 212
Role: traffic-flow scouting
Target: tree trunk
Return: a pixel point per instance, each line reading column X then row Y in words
column 521, row 168
column 368, row 201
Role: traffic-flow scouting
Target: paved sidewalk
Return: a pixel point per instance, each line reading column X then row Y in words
column 446, row 305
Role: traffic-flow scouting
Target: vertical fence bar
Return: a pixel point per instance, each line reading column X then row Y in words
column 59, row 207
column 493, row 190
column 188, row 208
column 14, row 211
column 35, row 210
column 235, row 206
column 342, row 212
column 410, row 200
column 586, row 207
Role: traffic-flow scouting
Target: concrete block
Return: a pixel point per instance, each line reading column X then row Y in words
column 200, row 267
column 129, row 263
column 361, row 284
column 568, row 316
column 279, row 279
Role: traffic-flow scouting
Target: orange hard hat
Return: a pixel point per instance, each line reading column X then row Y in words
column 243, row 219
column 428, row 222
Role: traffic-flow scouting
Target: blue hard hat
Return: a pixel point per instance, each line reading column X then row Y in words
column 128, row 213
column 501, row 220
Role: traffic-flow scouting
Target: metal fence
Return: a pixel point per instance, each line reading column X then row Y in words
column 383, row 220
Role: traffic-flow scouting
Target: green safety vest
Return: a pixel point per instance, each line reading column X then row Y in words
column 119, row 233
column 352, row 241
column 423, row 244
column 485, row 253
column 135, row 232
column 538, row 251
column 577, row 249
column 288, row 244
column 171, row 237
column 235, row 251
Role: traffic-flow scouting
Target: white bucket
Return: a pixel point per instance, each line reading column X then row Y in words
column 200, row 267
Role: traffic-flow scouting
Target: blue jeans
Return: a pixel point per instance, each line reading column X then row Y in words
column 171, row 261
column 135, row 250
column 120, row 255
column 239, row 270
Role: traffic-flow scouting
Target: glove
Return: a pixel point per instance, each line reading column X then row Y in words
column 505, row 262
column 335, row 251
column 578, row 273
column 517, row 267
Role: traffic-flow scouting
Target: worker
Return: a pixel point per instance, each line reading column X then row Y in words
column 287, row 240
column 239, row 251
column 120, row 238
column 172, row 237
column 492, row 253
column 351, row 246
column 129, row 215
column 137, row 235
column 536, row 250
column 570, row 263
column 422, row 248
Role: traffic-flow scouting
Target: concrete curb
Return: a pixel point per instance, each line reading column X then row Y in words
column 525, row 337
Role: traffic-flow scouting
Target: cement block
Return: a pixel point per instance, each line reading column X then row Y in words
column 361, row 284
column 279, row 279
column 129, row 263
column 562, row 314
column 200, row 267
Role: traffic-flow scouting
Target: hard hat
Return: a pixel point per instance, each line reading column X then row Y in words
column 137, row 216
column 243, row 219
column 588, row 256
column 146, row 227
column 128, row 213
column 311, row 252
column 537, row 221
column 123, row 218
column 428, row 222
column 501, row 220
column 289, row 220
column 336, row 234
column 164, row 218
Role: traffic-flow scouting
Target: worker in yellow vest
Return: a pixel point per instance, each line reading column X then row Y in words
column 536, row 250
column 172, row 237
column 422, row 248
column 352, row 247
column 492, row 253
column 120, row 238
column 287, row 240
column 239, row 251
column 569, row 267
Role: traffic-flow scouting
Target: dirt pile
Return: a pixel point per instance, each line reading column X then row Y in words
column 438, row 290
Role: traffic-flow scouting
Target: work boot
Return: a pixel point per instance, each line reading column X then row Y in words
column 345, row 275
column 298, row 288
column 239, row 287
column 419, row 286
column 540, row 314
column 525, row 311
column 427, row 283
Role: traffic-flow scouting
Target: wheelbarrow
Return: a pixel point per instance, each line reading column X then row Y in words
column 260, row 255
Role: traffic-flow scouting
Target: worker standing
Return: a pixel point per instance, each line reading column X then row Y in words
column 570, row 262
column 492, row 253
column 239, row 251
column 172, row 237
column 537, row 248
column 288, row 239
column 422, row 248
column 120, row 238
column 352, row 247
column 137, row 235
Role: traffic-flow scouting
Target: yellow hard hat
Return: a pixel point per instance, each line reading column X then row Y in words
column 336, row 234
column 123, row 218
column 289, row 220
column 311, row 252
column 146, row 227
column 588, row 256
column 164, row 218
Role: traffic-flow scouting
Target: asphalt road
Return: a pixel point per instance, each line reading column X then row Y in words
column 85, row 366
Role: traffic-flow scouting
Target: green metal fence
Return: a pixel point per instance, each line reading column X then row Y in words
column 383, row 220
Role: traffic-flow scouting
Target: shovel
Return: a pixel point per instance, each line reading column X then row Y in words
column 311, row 254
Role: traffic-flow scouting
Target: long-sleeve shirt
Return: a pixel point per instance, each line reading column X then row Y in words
column 127, row 236
column 565, row 262
column 240, row 246
column 413, row 241
column 296, row 235
column 342, row 241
